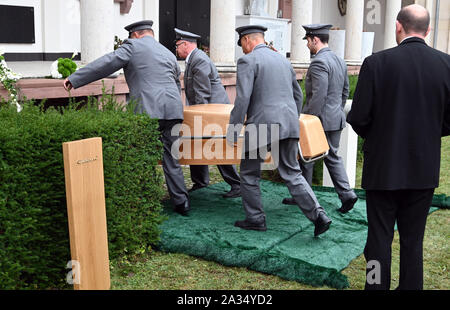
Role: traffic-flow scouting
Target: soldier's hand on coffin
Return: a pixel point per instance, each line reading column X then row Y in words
column 232, row 136
column 67, row 85
column 231, row 143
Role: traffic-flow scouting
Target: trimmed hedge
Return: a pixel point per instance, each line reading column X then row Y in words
column 34, row 237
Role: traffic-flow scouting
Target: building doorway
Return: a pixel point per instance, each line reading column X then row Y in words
column 189, row 15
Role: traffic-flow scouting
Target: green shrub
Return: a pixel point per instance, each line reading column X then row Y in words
column 34, row 240
column 66, row 66
column 352, row 80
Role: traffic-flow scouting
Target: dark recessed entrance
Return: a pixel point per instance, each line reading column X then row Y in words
column 188, row 15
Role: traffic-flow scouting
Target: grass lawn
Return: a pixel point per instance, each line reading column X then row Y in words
column 166, row 271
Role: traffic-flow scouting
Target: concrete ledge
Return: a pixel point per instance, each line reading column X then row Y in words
column 53, row 88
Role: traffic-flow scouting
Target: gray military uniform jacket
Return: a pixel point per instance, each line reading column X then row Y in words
column 151, row 71
column 202, row 82
column 267, row 93
column 327, row 89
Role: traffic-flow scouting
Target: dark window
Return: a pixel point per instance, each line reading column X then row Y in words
column 16, row 24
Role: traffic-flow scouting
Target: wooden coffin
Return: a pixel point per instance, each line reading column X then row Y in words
column 204, row 137
column 313, row 142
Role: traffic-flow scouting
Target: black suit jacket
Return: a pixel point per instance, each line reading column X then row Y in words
column 401, row 109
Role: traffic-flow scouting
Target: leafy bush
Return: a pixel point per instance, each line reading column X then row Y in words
column 34, row 239
column 352, row 80
column 66, row 67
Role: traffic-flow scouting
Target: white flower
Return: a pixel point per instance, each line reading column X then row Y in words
column 74, row 54
column 1, row 52
column 19, row 107
column 8, row 79
column 14, row 101
column 54, row 70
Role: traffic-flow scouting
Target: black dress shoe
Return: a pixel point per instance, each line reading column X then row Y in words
column 348, row 205
column 289, row 201
column 196, row 187
column 261, row 226
column 321, row 224
column 183, row 208
column 233, row 193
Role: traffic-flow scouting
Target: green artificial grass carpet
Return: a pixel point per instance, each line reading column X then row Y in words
column 287, row 249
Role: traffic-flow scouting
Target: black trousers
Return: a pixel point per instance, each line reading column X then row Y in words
column 409, row 208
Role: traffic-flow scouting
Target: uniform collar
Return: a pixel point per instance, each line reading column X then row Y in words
column 189, row 56
column 323, row 49
column 412, row 39
column 260, row 46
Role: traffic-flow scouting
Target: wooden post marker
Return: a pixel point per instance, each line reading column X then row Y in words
column 83, row 168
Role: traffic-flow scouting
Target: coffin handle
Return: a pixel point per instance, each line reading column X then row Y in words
column 312, row 159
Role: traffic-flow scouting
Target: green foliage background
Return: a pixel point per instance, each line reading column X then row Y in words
column 34, row 240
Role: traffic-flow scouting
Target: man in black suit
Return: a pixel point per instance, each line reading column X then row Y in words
column 401, row 109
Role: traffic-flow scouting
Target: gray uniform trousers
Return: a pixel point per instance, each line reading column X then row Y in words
column 291, row 173
column 335, row 167
column 200, row 175
column 172, row 169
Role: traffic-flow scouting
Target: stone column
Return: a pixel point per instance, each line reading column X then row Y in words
column 151, row 12
column 443, row 26
column 222, row 34
column 272, row 8
column 301, row 15
column 448, row 43
column 429, row 5
column 353, row 30
column 392, row 9
column 97, row 29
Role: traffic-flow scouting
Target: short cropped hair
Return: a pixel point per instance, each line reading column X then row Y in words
column 412, row 23
column 144, row 31
column 324, row 38
column 256, row 35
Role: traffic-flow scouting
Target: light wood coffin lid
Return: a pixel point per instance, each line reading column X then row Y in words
column 83, row 168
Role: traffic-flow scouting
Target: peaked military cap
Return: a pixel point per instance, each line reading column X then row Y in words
column 244, row 30
column 141, row 25
column 317, row 29
column 186, row 36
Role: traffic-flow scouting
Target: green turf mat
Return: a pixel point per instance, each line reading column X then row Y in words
column 287, row 249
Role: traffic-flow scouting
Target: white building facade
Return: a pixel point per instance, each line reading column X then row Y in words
column 58, row 28
column 89, row 27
